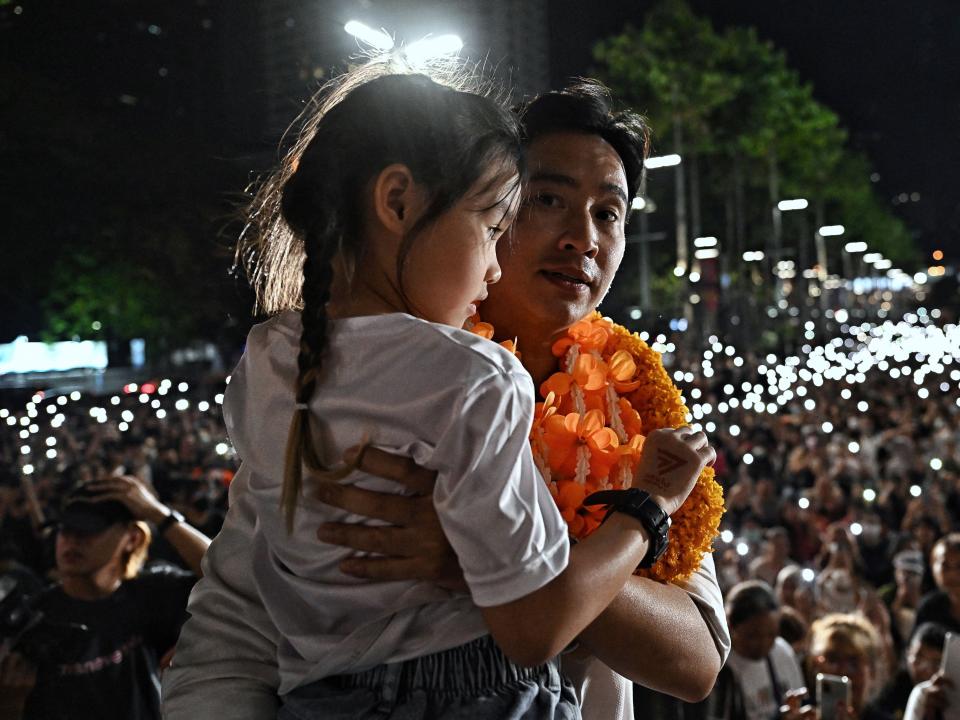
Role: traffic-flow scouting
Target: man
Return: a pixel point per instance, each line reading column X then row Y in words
column 108, row 624
column 585, row 163
column 762, row 668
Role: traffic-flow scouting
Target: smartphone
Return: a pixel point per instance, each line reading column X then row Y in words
column 831, row 690
column 950, row 667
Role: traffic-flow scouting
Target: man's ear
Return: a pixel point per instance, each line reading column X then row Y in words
column 397, row 199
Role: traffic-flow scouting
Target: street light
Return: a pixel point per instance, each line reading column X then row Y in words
column 431, row 47
column 416, row 52
column 831, row 230
column 652, row 163
column 375, row 38
column 798, row 204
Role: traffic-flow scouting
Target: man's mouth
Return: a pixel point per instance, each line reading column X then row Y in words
column 566, row 279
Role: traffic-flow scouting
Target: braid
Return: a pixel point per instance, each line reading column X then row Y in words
column 319, row 251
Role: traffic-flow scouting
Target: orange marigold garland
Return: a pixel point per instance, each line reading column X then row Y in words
column 589, row 428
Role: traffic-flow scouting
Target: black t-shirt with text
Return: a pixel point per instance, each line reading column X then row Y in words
column 111, row 672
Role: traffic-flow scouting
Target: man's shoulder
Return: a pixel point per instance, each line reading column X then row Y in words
column 160, row 577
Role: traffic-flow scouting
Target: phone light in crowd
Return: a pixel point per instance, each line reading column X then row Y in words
column 122, row 427
column 747, row 459
column 374, row 38
column 114, row 400
column 916, row 490
column 127, row 416
column 183, row 387
column 62, row 400
column 808, row 575
column 726, row 536
column 28, row 469
column 161, row 414
column 705, row 242
column 853, row 446
column 742, row 549
column 831, row 230
column 855, row 247
column 182, row 404
column 871, row 258
column 51, row 441
column 734, row 430
column 203, row 406
column 827, row 427
column 75, row 395
column 803, row 503
column 218, row 398
column 222, row 448
column 797, row 204
column 638, row 203
column 130, row 388
column 679, row 270
column 883, row 264
column 706, row 254
column 148, row 388
column 863, row 406
column 869, row 494
column 753, row 256
column 144, row 398
column 51, row 454
column 936, row 463
column 652, row 163
column 856, row 529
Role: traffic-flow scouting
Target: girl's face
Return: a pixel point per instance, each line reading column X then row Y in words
column 451, row 262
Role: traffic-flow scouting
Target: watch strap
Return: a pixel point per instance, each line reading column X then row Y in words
column 639, row 505
column 169, row 521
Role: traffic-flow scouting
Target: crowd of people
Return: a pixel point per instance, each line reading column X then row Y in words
column 838, row 523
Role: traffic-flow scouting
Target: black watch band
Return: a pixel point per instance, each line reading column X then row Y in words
column 169, row 521
column 638, row 504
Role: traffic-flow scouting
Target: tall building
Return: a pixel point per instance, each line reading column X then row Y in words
column 304, row 42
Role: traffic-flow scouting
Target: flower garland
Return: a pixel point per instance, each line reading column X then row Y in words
column 589, row 428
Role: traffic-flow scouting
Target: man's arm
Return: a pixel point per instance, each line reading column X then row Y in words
column 649, row 633
column 189, row 542
column 659, row 636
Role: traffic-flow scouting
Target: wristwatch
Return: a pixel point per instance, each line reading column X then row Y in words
column 169, row 521
column 638, row 504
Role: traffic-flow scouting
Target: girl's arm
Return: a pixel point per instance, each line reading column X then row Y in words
column 540, row 625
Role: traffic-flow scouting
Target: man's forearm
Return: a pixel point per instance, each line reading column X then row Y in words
column 189, row 543
column 655, row 635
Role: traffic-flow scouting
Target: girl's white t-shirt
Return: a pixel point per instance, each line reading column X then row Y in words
column 454, row 402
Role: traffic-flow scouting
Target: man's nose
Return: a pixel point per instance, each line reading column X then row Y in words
column 580, row 234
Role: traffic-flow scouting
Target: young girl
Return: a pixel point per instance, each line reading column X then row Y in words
column 395, row 202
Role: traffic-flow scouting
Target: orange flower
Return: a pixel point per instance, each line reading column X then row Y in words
column 622, row 368
column 566, row 434
column 583, row 451
column 589, row 373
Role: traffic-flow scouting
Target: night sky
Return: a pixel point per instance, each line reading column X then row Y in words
column 890, row 70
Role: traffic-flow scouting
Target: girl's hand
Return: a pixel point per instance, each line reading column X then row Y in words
column 791, row 708
column 412, row 546
column 670, row 463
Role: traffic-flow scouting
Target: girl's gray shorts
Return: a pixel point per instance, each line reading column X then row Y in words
column 474, row 681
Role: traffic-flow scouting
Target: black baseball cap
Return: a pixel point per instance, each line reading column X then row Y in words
column 82, row 513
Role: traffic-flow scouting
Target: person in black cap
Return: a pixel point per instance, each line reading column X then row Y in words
column 131, row 615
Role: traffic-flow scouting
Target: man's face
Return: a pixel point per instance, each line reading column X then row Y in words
column 85, row 554
column 922, row 661
column 568, row 240
column 946, row 568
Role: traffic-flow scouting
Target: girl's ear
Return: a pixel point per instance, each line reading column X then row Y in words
column 397, row 199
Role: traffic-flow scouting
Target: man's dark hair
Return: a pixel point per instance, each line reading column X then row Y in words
column 749, row 599
column 586, row 106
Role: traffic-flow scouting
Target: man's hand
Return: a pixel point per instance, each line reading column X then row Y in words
column 670, row 463
column 412, row 546
column 133, row 493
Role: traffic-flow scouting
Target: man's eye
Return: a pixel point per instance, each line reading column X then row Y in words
column 546, row 199
column 494, row 230
column 608, row 216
